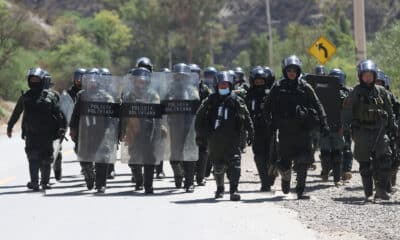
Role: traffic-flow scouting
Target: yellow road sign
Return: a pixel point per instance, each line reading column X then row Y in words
column 322, row 50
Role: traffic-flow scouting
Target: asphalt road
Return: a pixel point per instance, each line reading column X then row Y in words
column 69, row 211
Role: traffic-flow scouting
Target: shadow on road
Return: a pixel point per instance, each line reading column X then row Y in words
column 199, row 201
column 270, row 199
column 351, row 200
column 12, row 186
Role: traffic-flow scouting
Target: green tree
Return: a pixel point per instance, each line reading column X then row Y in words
column 76, row 52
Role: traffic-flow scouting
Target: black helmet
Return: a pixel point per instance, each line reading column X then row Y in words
column 93, row 71
column 181, row 68
column 269, row 72
column 380, row 75
column 239, row 74
column 166, row 70
column 105, row 72
column 40, row 74
column 225, row 76
column 257, row 73
column 210, row 71
column 234, row 77
column 144, row 62
column 387, row 82
column 291, row 61
column 270, row 76
column 367, row 66
column 320, row 70
column 194, row 68
column 336, row 72
column 78, row 73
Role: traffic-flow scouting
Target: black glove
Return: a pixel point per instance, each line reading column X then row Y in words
column 325, row 131
column 61, row 133
column 250, row 139
column 201, row 142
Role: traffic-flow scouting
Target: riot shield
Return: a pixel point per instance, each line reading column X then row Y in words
column 180, row 100
column 66, row 105
column 99, row 104
column 141, row 123
column 327, row 89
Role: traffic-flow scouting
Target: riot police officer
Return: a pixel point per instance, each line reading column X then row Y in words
column 332, row 145
column 42, row 124
column 209, row 78
column 111, row 168
column 139, row 131
column 261, row 80
column 201, row 164
column 181, row 103
column 219, row 122
column 384, row 80
column 295, row 110
column 369, row 112
column 77, row 83
column 95, row 126
column 240, row 79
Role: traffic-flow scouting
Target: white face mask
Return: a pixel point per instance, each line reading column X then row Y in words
column 223, row 92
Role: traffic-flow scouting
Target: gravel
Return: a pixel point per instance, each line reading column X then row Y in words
column 336, row 213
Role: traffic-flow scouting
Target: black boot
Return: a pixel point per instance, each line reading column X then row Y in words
column 201, row 166
column 189, row 170
column 337, row 159
column 111, row 171
column 148, row 179
column 261, row 164
column 234, row 195
column 33, row 186
column 178, row 182
column 285, row 184
column 220, row 192
column 382, row 182
column 45, row 176
column 177, row 168
column 137, row 174
column 368, row 187
column 301, row 170
column 393, row 177
column 88, row 174
column 160, row 171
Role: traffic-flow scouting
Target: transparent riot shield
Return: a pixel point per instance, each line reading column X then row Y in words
column 141, row 122
column 66, row 105
column 99, row 104
column 327, row 89
column 180, row 100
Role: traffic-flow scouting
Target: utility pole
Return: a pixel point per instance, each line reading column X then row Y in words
column 359, row 29
column 169, row 51
column 270, row 54
column 211, row 46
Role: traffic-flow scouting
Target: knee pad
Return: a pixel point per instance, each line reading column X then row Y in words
column 219, row 169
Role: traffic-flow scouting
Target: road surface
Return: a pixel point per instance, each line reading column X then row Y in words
column 69, row 211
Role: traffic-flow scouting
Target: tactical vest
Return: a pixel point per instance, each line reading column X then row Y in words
column 225, row 115
column 256, row 105
column 40, row 116
column 368, row 104
column 292, row 106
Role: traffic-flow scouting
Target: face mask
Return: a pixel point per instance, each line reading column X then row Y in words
column 35, row 85
column 223, row 92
